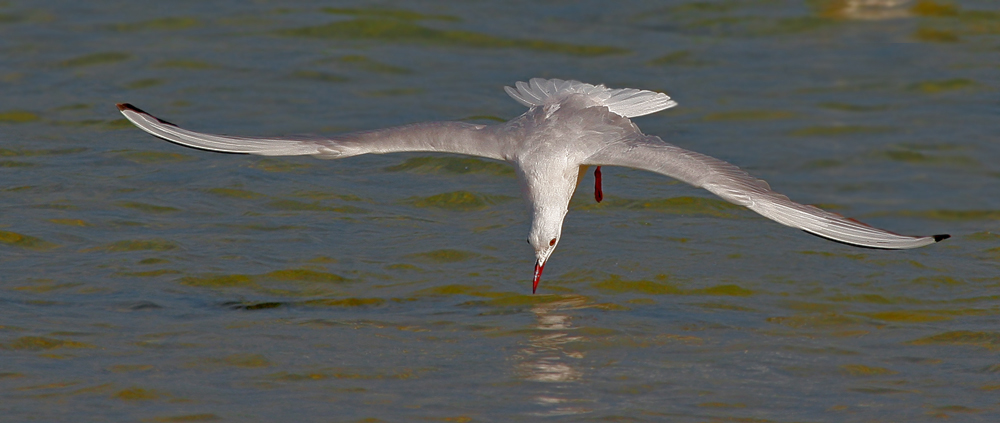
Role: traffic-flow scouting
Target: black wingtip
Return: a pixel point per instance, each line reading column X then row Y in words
column 126, row 106
column 942, row 237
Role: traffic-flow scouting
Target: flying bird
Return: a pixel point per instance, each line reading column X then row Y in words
column 569, row 126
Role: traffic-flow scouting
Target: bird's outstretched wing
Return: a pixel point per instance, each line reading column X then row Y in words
column 444, row 137
column 736, row 186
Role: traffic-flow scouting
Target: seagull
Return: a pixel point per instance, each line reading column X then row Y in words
column 569, row 126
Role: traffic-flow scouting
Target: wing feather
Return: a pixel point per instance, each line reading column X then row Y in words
column 444, row 137
column 736, row 186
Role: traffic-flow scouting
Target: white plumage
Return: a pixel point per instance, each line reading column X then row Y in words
column 624, row 102
column 569, row 125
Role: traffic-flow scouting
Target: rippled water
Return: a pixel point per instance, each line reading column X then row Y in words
column 142, row 281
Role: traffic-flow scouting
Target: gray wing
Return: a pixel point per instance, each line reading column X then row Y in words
column 736, row 186
column 444, row 137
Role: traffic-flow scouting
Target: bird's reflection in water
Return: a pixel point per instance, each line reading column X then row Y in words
column 544, row 358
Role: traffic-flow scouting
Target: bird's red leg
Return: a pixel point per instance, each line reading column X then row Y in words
column 598, row 192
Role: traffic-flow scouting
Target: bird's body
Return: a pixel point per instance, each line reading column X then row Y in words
column 569, row 125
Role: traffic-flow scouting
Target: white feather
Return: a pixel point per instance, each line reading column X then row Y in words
column 625, row 102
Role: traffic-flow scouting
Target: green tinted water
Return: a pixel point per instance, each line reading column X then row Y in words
column 141, row 281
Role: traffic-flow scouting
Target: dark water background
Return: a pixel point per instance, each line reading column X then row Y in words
column 140, row 281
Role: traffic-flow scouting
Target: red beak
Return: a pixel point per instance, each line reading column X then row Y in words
column 538, row 275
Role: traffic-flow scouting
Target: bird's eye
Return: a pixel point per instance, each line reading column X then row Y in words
column 553, row 242
column 528, row 240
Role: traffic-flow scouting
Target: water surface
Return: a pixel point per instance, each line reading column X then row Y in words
column 142, row 281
